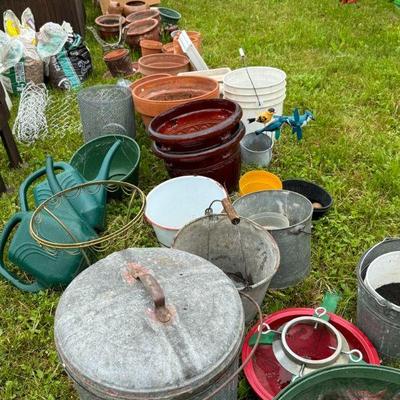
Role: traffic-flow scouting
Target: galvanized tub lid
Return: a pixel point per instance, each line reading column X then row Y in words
column 111, row 341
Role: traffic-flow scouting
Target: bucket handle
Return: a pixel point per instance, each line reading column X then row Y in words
column 249, row 357
column 300, row 229
column 27, row 287
column 154, row 289
column 228, row 208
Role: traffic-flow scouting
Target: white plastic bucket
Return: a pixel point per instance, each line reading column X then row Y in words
column 265, row 79
column 178, row 201
column 246, row 98
column 383, row 270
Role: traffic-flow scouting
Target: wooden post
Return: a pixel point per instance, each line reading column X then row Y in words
column 6, row 134
column 2, row 185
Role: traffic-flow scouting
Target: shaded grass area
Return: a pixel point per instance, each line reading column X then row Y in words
column 343, row 63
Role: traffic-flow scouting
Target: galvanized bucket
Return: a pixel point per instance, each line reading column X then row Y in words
column 151, row 324
column 294, row 241
column 377, row 317
column 245, row 251
column 256, row 149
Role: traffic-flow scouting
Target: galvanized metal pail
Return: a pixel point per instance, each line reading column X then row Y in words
column 377, row 317
column 245, row 251
column 294, row 241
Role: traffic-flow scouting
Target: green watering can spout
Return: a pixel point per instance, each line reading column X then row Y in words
column 106, row 164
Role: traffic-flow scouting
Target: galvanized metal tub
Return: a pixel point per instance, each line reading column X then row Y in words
column 246, row 252
column 150, row 324
column 294, row 241
column 376, row 317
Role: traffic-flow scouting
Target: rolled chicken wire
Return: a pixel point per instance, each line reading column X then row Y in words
column 31, row 123
column 105, row 110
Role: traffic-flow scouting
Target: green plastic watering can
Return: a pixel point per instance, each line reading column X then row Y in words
column 90, row 204
column 48, row 268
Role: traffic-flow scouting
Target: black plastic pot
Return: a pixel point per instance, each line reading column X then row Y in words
column 313, row 192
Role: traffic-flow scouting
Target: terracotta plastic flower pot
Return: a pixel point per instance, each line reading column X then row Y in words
column 168, row 48
column 108, row 25
column 118, row 62
column 195, row 37
column 115, row 7
column 154, row 97
column 150, row 47
column 142, row 29
column 163, row 63
column 196, row 125
column 222, row 162
column 146, row 79
column 134, row 6
column 146, row 14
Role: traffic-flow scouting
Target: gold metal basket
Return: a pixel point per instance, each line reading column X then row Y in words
column 119, row 227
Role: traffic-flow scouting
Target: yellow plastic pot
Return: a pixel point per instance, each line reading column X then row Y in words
column 257, row 180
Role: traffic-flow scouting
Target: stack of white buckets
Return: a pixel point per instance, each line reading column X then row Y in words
column 256, row 89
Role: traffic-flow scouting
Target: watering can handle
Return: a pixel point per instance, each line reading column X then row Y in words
column 23, row 189
column 27, row 287
column 154, row 289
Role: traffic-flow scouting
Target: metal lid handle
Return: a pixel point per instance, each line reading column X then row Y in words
column 153, row 289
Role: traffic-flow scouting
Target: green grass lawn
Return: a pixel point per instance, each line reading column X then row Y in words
column 342, row 62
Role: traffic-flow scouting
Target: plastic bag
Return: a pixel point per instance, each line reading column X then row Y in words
column 51, row 40
column 15, row 68
column 23, row 30
column 70, row 67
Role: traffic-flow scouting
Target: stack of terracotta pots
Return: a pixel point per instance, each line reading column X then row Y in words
column 200, row 138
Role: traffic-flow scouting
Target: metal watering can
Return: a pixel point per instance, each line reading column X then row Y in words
column 48, row 267
column 88, row 204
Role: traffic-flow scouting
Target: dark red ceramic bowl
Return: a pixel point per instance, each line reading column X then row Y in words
column 196, row 125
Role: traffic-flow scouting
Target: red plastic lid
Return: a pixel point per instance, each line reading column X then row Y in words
column 265, row 374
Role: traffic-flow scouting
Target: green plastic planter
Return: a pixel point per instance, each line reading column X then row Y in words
column 346, row 382
column 125, row 163
column 169, row 16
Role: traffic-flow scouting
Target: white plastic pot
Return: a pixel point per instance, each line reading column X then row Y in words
column 383, row 270
column 178, row 201
column 246, row 98
column 266, row 80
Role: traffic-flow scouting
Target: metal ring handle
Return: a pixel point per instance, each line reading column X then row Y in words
column 313, row 363
column 249, row 357
column 355, row 355
column 154, row 289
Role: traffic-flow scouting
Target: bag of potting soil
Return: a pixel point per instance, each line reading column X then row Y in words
column 71, row 66
column 19, row 60
column 16, row 69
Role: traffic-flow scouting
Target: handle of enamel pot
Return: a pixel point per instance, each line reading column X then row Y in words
column 230, row 211
column 154, row 289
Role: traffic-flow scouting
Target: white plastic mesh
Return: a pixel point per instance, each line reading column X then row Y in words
column 31, row 122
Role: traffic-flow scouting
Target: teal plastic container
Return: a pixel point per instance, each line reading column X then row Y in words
column 346, row 382
column 169, row 16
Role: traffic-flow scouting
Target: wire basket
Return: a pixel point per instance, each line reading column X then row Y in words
column 123, row 218
column 106, row 109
